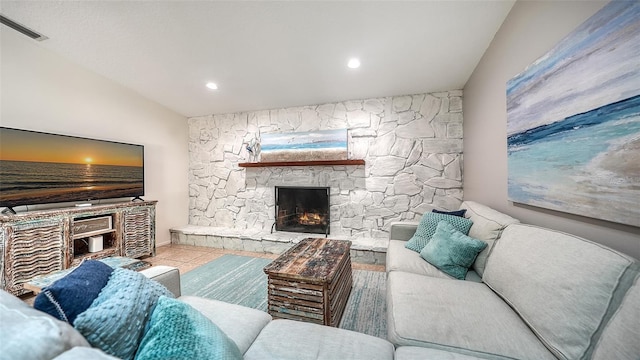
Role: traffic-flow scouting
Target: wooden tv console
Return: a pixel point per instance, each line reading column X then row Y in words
column 40, row 242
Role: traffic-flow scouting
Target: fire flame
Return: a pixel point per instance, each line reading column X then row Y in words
column 310, row 219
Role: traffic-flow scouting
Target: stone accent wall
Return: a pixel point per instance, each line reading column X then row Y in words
column 412, row 146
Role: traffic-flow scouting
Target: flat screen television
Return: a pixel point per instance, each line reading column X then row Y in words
column 42, row 168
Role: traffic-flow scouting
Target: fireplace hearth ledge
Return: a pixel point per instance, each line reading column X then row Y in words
column 363, row 250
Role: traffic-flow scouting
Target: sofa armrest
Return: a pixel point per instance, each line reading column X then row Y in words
column 168, row 276
column 402, row 230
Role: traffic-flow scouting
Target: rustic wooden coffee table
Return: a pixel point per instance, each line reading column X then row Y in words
column 311, row 281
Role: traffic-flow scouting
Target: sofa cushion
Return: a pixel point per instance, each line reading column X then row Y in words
column 295, row 340
column 27, row 333
column 400, row 258
column 487, row 226
column 452, row 251
column 427, row 228
column 563, row 286
column 178, row 331
column 241, row 324
column 420, row 353
column 459, row 316
column 620, row 339
column 66, row 298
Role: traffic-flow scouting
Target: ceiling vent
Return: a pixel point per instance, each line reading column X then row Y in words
column 22, row 29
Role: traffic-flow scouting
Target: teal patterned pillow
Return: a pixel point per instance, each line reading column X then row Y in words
column 178, row 331
column 427, row 228
column 452, row 251
column 116, row 319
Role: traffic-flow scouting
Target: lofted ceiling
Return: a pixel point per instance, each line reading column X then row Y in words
column 267, row 54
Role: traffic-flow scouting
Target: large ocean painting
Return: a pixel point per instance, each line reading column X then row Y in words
column 573, row 121
column 304, row 146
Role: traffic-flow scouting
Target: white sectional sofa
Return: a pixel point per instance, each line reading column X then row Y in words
column 533, row 293
column 27, row 333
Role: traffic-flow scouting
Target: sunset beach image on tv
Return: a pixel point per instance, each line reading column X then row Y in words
column 38, row 168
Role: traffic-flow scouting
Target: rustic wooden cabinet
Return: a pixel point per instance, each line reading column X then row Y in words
column 137, row 231
column 40, row 242
column 35, row 247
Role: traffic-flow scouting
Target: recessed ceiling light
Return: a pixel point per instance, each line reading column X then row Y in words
column 353, row 63
column 212, row 86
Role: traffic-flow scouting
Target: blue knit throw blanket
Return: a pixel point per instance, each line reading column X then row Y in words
column 115, row 322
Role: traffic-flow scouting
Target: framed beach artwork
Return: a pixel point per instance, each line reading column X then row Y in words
column 304, row 146
column 573, row 121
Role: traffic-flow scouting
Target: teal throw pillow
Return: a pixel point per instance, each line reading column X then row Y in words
column 452, row 251
column 178, row 331
column 115, row 321
column 427, row 228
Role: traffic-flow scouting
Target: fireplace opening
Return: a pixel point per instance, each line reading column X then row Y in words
column 302, row 209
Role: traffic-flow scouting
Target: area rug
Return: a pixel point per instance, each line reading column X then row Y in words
column 240, row 280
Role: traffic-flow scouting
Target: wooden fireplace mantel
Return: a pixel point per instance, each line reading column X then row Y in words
column 304, row 163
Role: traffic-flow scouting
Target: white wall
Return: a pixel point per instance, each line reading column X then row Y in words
column 43, row 91
column 530, row 30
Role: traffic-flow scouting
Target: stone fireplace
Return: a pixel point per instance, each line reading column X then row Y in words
column 411, row 146
column 302, row 209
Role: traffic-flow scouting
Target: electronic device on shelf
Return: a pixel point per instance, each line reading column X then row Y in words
column 42, row 168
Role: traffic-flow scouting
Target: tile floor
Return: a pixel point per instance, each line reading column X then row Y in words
column 187, row 257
